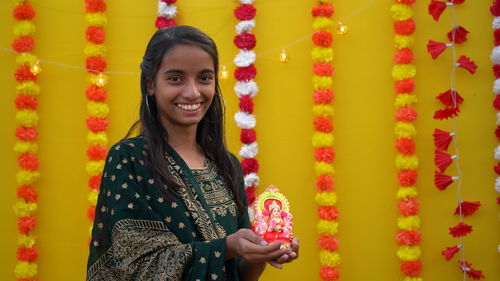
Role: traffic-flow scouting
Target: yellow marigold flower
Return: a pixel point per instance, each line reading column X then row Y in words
column 401, row 12
column 320, row 54
column 403, row 71
column 95, row 79
column 24, row 209
column 327, row 227
column 28, row 88
column 91, row 227
column 27, row 117
column 26, row 177
column 407, row 278
column 93, row 50
column 403, row 100
column 405, row 130
column 322, row 23
column 26, row 59
column 401, row 42
column 26, row 241
column 326, row 198
column 323, row 110
column 92, row 197
column 324, row 82
column 329, row 258
column 24, row 28
column 100, row 138
column 323, row 168
column 409, row 223
column 23, row 147
column 404, row 193
column 96, row 19
column 322, row 139
column 406, row 162
column 97, row 109
column 26, row 270
column 409, row 253
column 94, row 168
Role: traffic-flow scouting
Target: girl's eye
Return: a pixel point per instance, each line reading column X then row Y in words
column 174, row 79
column 206, row 78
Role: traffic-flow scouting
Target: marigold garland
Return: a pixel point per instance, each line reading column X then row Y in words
column 97, row 122
column 26, row 103
column 495, row 11
column 166, row 13
column 323, row 140
column 408, row 236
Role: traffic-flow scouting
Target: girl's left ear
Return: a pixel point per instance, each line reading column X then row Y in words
column 150, row 87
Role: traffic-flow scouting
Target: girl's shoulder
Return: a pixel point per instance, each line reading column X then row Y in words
column 135, row 144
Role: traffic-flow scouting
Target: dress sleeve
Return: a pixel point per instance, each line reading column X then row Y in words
column 243, row 218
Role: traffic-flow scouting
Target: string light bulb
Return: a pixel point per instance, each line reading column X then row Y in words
column 224, row 74
column 342, row 29
column 35, row 68
column 101, row 80
column 284, row 58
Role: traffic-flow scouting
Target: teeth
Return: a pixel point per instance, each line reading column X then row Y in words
column 189, row 107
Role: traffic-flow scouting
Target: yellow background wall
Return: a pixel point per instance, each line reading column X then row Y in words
column 365, row 172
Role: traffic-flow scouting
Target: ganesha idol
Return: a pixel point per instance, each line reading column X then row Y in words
column 273, row 220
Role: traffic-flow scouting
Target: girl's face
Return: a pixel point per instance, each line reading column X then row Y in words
column 184, row 86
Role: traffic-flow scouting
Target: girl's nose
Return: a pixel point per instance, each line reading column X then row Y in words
column 191, row 90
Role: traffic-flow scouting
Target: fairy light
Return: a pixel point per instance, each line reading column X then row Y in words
column 101, row 80
column 342, row 28
column 224, row 74
column 284, row 57
column 35, row 68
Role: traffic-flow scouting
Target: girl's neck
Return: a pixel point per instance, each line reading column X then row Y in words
column 184, row 143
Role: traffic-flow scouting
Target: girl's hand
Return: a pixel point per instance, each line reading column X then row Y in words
column 289, row 256
column 253, row 248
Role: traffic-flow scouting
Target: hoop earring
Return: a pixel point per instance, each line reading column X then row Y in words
column 147, row 105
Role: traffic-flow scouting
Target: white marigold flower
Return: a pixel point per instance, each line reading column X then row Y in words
column 165, row 10
column 249, row 150
column 244, row 88
column 245, row 120
column 245, row 26
column 244, row 58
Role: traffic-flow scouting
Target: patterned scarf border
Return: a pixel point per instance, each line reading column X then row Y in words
column 98, row 110
column 246, row 89
column 323, row 140
column 166, row 14
column 26, row 146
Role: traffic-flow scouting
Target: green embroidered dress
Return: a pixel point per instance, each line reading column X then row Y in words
column 139, row 235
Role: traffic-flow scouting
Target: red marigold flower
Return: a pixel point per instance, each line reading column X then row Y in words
column 27, row 193
column 96, row 94
column 26, row 224
column 407, row 177
column 323, row 96
column 323, row 124
column 496, row 69
column 322, row 38
column 247, row 136
column 96, row 124
column 96, row 152
column 408, row 207
column 328, row 213
column 26, row 133
column 405, row 146
column 324, row 154
column 250, row 192
column 496, row 35
column 329, row 243
column 23, row 73
column 411, row 268
column 246, row 104
column 323, row 69
column 24, row 12
column 405, row 86
column 497, row 168
column 496, row 102
column 497, row 132
column 404, row 27
column 28, row 161
column 245, row 41
column 407, row 2
column 406, row 114
column 27, row 254
column 91, row 213
column 96, row 64
column 245, row 12
column 245, row 73
column 170, row 2
column 408, row 238
column 162, row 22
column 95, row 34
column 323, row 10
column 495, row 9
column 23, row 44
column 249, row 165
column 95, row 6
column 94, row 181
column 403, row 56
column 26, row 102
column 329, row 273
column 324, row 183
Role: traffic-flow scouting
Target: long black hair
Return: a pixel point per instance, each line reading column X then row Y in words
column 210, row 131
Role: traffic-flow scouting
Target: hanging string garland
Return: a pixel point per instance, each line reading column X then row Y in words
column 246, row 89
column 323, row 139
column 166, row 13
column 495, row 59
column 442, row 139
column 408, row 235
column 97, row 122
column 26, row 147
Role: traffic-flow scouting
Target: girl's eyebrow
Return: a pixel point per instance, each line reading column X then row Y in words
column 207, row 70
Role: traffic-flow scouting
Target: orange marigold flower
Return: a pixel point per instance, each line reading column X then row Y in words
column 95, row 6
column 329, row 243
column 403, row 56
column 91, row 213
column 405, row 86
column 26, row 102
column 23, row 73
column 322, row 38
column 96, row 64
column 27, row 254
column 329, row 273
column 26, row 224
column 324, row 183
column 95, row 34
column 406, row 114
column 407, row 177
column 323, row 124
column 26, row 133
column 323, row 10
column 409, row 238
column 27, row 193
column 95, row 181
column 324, row 154
column 97, row 124
column 405, row 146
column 408, row 207
column 404, row 27
column 96, row 94
column 28, row 161
column 97, row 152
column 23, row 44
column 24, row 12
column 323, row 69
column 323, row 96
column 328, row 213
column 411, row 268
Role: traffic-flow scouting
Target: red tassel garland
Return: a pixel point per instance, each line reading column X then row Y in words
column 442, row 160
column 447, row 112
column 442, row 139
column 466, row 63
column 472, row 273
column 436, row 8
column 458, row 35
column 436, row 48
column 442, row 181
column 449, row 252
column 460, row 230
column 450, row 98
column 467, row 208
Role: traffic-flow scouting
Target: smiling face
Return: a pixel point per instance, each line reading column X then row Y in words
column 184, row 87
